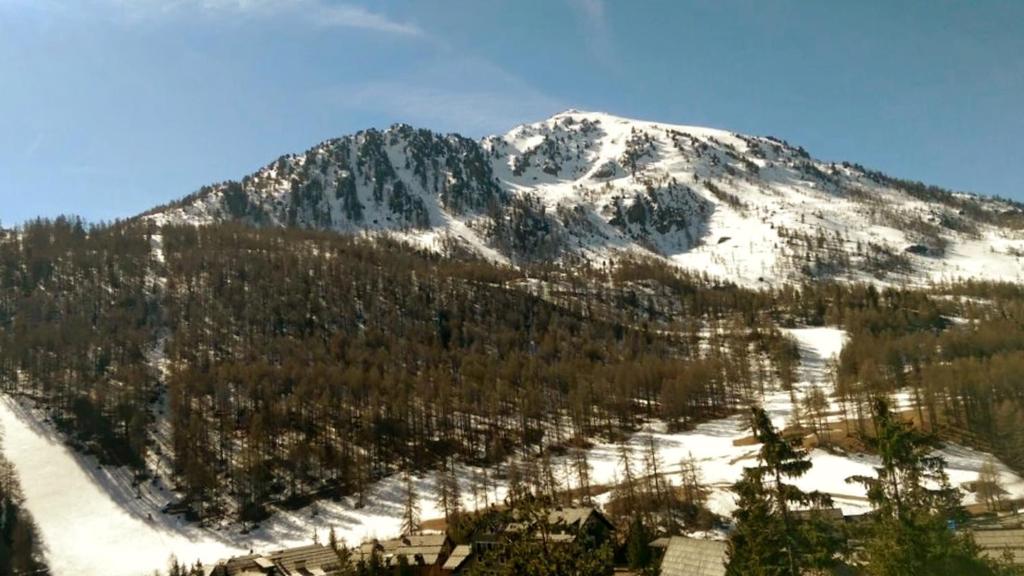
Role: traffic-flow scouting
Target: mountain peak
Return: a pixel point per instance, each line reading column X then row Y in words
column 592, row 186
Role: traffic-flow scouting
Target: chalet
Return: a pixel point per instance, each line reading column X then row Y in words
column 425, row 554
column 693, row 557
column 461, row 558
column 585, row 522
column 312, row 560
column 565, row 525
column 1001, row 543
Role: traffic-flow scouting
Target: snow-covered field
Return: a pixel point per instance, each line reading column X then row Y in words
column 86, row 519
column 94, row 524
column 722, row 462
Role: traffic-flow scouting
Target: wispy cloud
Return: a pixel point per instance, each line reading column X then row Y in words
column 594, row 17
column 359, row 17
column 314, row 12
column 34, row 145
column 462, row 93
column 473, row 113
column 592, row 10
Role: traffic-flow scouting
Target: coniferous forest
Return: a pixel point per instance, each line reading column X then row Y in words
column 277, row 366
column 282, row 365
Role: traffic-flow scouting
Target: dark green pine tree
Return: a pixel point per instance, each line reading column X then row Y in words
column 638, row 549
column 345, row 565
column 915, row 508
column 768, row 540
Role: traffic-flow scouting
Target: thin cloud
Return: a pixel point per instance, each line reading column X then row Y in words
column 359, row 17
column 475, row 112
column 35, row 145
column 594, row 17
column 463, row 93
column 592, row 10
column 314, row 12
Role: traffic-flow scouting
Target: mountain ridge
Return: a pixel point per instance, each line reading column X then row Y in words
column 589, row 187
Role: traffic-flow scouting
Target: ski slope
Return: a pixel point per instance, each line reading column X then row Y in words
column 85, row 519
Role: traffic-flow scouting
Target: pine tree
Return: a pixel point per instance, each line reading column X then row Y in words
column 910, row 531
column 342, row 552
column 691, row 485
column 449, row 497
column 638, row 548
column 516, row 488
column 988, row 486
column 767, row 539
column 582, row 469
column 759, row 541
column 692, row 496
column 411, row 507
column 657, row 491
column 628, row 484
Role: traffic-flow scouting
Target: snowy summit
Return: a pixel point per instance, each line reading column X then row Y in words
column 588, row 187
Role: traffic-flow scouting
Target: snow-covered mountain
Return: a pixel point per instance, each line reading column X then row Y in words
column 584, row 186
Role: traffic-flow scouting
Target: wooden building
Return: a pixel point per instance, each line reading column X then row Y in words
column 312, row 560
column 424, row 554
column 692, row 557
column 1001, row 544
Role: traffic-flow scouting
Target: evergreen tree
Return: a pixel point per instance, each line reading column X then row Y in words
column 638, row 549
column 411, row 506
column 342, row 552
column 767, row 539
column 20, row 546
column 989, row 487
column 915, row 506
column 449, row 495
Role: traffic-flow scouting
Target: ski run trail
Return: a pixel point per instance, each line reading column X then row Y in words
column 94, row 522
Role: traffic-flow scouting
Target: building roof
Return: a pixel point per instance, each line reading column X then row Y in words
column 575, row 517
column 304, row 561
column 998, row 544
column 692, row 557
column 458, row 557
column 660, row 543
column 832, row 514
column 425, row 549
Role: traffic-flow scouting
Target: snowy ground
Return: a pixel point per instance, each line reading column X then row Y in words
column 87, row 520
column 93, row 523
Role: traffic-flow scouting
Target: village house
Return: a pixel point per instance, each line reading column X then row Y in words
column 585, row 524
column 1001, row 544
column 460, row 560
column 692, row 557
column 686, row 556
column 312, row 560
column 424, row 554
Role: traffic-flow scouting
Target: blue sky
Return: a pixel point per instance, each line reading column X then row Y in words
column 108, row 107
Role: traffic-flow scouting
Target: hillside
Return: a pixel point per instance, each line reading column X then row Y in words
column 263, row 380
column 528, row 313
column 591, row 187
